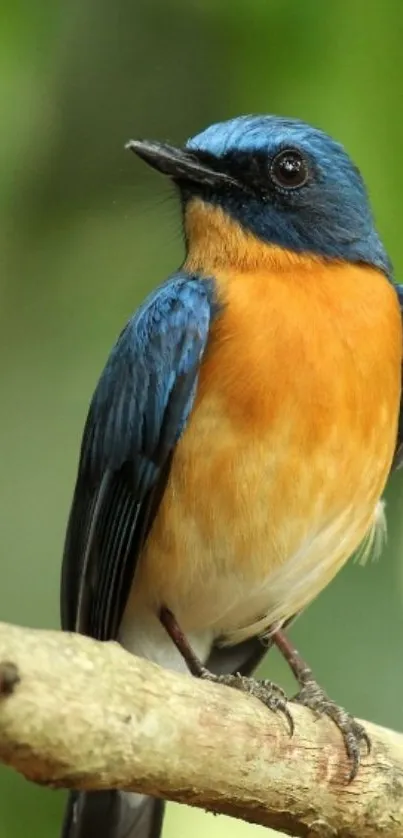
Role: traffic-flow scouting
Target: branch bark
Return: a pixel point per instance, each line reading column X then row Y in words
column 76, row 713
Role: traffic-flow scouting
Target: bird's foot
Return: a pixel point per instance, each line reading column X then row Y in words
column 354, row 734
column 267, row 692
column 313, row 696
column 271, row 695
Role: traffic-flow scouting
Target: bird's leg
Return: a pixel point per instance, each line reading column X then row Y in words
column 313, row 696
column 182, row 644
column 266, row 691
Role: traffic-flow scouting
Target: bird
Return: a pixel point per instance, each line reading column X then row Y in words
column 242, row 432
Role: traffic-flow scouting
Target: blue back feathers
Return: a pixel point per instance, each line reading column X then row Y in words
column 146, row 390
column 330, row 215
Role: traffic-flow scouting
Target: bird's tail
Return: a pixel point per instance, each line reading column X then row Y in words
column 112, row 814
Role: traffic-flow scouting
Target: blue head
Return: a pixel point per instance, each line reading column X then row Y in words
column 282, row 180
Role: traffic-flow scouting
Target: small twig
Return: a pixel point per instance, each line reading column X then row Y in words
column 9, row 678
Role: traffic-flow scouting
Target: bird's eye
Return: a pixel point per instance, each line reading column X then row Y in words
column 289, row 169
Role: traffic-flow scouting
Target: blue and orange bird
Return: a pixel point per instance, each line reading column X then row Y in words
column 240, row 437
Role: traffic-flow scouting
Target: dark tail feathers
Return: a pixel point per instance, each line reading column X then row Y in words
column 112, row 814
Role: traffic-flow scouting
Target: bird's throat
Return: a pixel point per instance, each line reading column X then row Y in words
column 216, row 242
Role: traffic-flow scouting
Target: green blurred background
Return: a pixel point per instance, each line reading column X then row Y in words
column 85, row 232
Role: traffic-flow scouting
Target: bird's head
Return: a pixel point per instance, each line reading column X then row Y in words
column 280, row 180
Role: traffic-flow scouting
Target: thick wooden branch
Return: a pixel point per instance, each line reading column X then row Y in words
column 76, row 713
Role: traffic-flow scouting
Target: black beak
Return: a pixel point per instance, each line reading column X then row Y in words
column 178, row 163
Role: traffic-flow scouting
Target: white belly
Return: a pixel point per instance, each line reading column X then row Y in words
column 293, row 585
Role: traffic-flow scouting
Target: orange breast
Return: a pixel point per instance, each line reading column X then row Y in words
column 278, row 476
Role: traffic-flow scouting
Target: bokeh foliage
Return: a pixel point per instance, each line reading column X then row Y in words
column 85, row 231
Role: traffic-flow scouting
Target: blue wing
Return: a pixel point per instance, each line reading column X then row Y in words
column 137, row 415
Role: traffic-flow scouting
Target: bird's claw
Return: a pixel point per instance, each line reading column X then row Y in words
column 311, row 695
column 271, row 695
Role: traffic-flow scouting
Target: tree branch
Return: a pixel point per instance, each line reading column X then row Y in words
column 76, row 713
